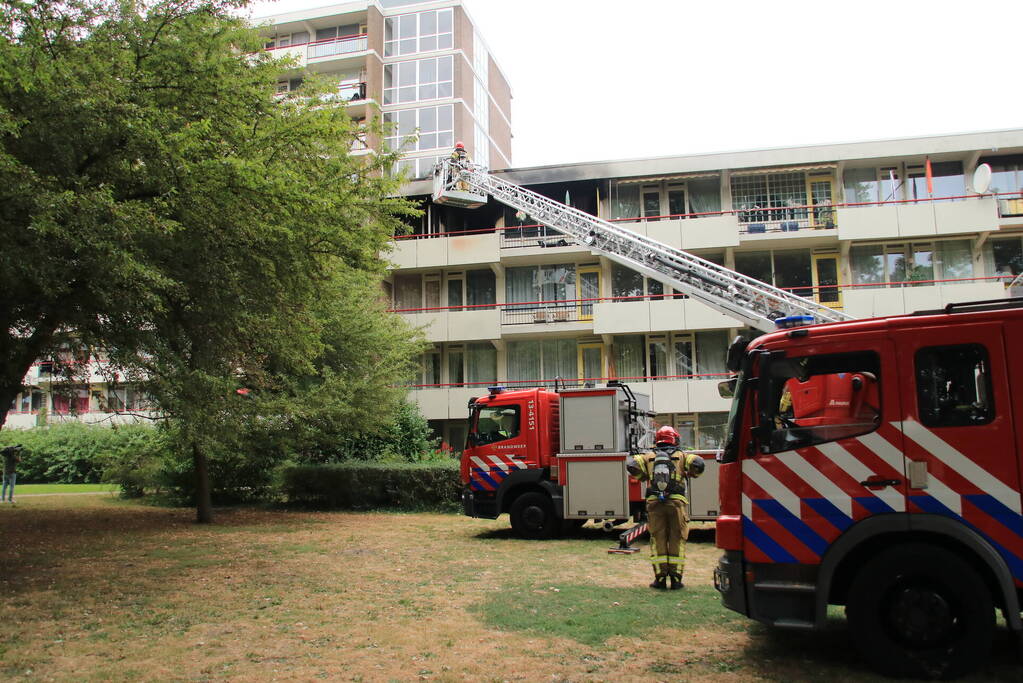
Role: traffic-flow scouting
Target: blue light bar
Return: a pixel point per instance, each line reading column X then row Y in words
column 793, row 321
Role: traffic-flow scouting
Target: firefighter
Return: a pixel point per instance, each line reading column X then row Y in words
column 459, row 156
column 665, row 470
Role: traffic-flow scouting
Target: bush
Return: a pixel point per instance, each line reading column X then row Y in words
column 80, row 454
column 363, row 485
column 407, row 438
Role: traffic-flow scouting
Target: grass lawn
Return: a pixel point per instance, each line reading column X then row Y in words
column 23, row 489
column 93, row 588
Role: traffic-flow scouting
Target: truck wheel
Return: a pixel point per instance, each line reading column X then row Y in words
column 532, row 516
column 921, row 611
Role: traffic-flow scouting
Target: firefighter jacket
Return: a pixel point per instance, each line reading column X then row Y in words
column 643, row 469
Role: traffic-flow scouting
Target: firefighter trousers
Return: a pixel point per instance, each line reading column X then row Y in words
column 668, row 525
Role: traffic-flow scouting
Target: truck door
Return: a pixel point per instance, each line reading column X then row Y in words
column 498, row 445
column 959, row 435
column 825, row 454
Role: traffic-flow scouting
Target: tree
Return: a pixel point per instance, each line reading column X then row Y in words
column 157, row 200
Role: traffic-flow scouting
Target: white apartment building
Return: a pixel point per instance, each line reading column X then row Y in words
column 420, row 64
column 856, row 226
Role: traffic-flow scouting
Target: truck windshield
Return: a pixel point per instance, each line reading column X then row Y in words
column 728, row 452
column 495, row 423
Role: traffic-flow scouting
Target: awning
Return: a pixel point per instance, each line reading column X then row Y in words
column 784, row 169
column 662, row 178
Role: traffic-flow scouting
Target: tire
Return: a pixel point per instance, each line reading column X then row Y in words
column 532, row 516
column 921, row 611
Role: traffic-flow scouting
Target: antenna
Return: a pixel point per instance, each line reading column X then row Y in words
column 982, row 179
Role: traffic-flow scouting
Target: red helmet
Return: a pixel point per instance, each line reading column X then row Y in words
column 459, row 145
column 667, row 434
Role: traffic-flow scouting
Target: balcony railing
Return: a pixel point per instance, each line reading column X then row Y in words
column 337, row 46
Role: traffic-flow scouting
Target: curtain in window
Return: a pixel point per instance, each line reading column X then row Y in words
column 625, row 281
column 628, row 357
column 624, row 200
column 704, row 195
column 556, row 283
column 559, row 359
column 518, row 285
column 711, row 350
column 953, row 260
column 524, row 363
column 481, row 362
column 408, row 292
column 480, row 287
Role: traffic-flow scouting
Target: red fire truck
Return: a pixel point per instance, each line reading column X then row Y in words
column 554, row 459
column 876, row 464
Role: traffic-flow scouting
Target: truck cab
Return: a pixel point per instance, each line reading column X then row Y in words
column 876, row 465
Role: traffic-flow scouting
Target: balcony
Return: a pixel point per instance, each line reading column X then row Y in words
column 462, row 323
column 445, row 249
column 687, row 231
column 629, row 315
column 918, row 218
column 676, row 394
column 320, row 51
column 1010, row 209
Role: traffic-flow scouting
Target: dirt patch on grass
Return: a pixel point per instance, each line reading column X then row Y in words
column 97, row 589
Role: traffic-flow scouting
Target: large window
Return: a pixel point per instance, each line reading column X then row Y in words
column 875, row 184
column 670, row 356
column 791, row 270
column 752, row 194
column 668, row 198
column 435, row 126
column 420, row 32
column 1007, row 178
column 540, row 283
column 496, row 423
column 953, row 386
column 418, row 80
column 480, row 363
column 908, row 262
column 946, row 178
column 540, row 362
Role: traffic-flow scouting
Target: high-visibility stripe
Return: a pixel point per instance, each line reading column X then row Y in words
column 497, row 461
column 765, row 543
column 480, row 463
column 774, row 488
column 812, row 476
column 848, row 463
column 747, row 507
column 959, row 463
column 795, row 526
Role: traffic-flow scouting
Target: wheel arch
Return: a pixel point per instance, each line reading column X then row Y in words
column 524, row 481
column 875, row 534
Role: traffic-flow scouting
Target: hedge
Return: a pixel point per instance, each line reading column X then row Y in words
column 365, row 485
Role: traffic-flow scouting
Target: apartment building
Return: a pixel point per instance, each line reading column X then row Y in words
column 864, row 227
column 420, row 64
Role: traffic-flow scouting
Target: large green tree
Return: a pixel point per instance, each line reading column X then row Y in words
column 158, row 200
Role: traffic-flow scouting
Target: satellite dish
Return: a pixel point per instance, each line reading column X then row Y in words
column 982, row 179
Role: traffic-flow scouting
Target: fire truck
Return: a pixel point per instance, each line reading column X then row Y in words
column 875, row 464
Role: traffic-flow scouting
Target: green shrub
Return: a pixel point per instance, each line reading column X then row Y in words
column 364, row 485
column 407, row 438
column 75, row 453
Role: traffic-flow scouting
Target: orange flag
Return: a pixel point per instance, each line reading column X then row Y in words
column 930, row 176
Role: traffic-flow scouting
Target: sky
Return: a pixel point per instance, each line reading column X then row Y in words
column 597, row 80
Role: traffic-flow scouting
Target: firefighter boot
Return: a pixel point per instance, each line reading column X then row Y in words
column 676, row 581
column 660, row 582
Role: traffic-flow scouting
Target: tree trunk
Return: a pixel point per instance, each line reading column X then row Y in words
column 203, row 501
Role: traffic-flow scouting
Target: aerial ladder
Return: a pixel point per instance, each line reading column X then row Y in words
column 758, row 305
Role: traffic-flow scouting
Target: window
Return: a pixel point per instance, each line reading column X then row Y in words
column 953, row 386
column 434, row 125
column 946, row 177
column 430, row 371
column 863, row 185
column 408, row 292
column 496, row 423
column 338, row 40
column 626, row 283
column 668, row 198
column 1007, row 179
column 290, row 85
column 710, row 430
column 481, row 363
column 790, row 270
column 810, row 400
column 540, row 362
column 421, row 32
column 540, row 283
column 675, row 356
column 752, row 194
column 924, row 262
column 422, row 79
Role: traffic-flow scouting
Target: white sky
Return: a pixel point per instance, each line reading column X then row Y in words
column 600, row 79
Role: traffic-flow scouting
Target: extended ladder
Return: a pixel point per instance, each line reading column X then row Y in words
column 753, row 302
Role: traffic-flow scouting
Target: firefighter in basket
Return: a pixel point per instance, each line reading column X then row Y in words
column 460, row 157
column 665, row 470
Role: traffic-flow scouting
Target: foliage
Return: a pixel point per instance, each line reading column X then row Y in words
column 79, row 454
column 161, row 203
column 407, row 438
column 363, row 485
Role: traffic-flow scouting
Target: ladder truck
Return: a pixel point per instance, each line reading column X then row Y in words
column 871, row 464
